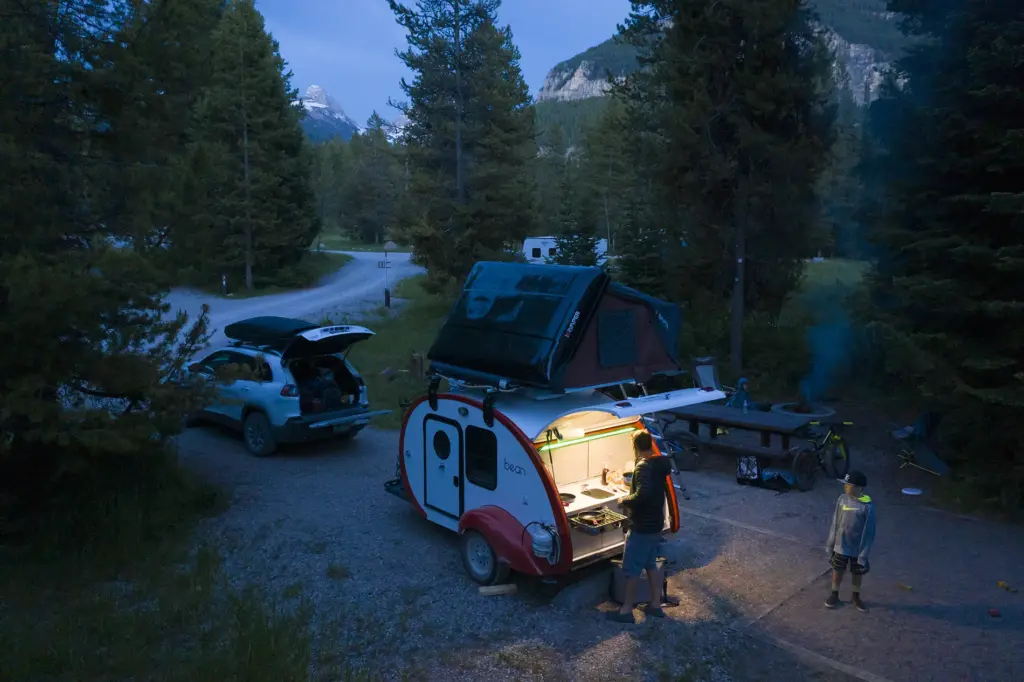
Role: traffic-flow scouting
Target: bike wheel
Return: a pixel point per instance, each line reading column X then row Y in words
column 803, row 468
column 837, row 457
column 688, row 452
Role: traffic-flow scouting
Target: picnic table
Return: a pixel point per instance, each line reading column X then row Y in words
column 775, row 430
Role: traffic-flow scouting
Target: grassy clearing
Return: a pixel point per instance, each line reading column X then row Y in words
column 385, row 359
column 339, row 242
column 106, row 586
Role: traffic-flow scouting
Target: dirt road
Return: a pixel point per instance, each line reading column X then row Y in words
column 357, row 286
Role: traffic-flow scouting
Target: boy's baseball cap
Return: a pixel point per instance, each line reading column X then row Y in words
column 855, row 478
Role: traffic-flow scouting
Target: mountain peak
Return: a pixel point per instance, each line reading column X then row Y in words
column 318, row 95
column 324, row 116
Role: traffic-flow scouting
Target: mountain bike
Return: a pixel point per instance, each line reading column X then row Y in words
column 831, row 448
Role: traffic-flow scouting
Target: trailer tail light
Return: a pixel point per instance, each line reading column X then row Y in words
column 290, row 391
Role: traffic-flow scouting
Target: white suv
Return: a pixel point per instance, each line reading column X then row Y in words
column 298, row 385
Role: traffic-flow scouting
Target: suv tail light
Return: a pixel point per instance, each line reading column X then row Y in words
column 290, row 391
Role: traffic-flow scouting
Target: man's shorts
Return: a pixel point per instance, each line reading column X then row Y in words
column 641, row 552
column 841, row 562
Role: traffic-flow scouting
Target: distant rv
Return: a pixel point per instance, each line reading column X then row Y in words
column 540, row 249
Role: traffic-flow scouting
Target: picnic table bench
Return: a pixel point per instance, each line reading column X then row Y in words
column 776, row 432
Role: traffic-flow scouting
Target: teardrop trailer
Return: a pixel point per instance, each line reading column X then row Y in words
column 527, row 455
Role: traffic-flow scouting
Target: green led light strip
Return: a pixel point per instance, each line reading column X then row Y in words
column 586, row 439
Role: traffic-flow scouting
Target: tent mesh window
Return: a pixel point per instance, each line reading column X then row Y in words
column 616, row 338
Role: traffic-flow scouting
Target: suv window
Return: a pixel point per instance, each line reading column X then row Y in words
column 481, row 457
column 223, row 359
column 217, row 361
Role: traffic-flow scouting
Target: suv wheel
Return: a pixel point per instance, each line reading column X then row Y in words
column 257, row 436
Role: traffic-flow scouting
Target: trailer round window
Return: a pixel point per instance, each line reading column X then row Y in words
column 442, row 445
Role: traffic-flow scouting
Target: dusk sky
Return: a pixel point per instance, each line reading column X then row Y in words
column 348, row 46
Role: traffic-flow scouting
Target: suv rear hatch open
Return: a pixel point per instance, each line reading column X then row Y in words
column 295, row 339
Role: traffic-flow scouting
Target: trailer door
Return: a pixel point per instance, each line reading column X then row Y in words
column 442, row 459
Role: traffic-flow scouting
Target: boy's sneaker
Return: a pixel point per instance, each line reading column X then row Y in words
column 861, row 606
column 833, row 600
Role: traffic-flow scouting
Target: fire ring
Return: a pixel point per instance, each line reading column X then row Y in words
column 804, row 410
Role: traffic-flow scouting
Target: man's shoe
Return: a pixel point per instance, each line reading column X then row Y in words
column 832, row 601
column 670, row 600
column 654, row 611
column 619, row 617
column 861, row 606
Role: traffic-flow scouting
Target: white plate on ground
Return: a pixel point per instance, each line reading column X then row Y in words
column 911, row 491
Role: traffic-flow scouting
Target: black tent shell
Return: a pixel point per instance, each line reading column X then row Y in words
column 554, row 327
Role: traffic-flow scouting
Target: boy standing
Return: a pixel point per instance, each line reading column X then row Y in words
column 850, row 538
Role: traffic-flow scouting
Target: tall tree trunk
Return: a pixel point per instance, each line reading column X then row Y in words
column 459, row 180
column 607, row 219
column 245, row 176
column 736, row 345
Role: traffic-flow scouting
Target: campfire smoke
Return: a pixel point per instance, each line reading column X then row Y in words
column 830, row 343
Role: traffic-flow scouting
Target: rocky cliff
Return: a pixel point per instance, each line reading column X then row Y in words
column 586, row 75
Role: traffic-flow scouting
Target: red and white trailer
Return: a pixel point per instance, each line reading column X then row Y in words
column 527, row 479
column 525, row 457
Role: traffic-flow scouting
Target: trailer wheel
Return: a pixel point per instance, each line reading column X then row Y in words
column 480, row 561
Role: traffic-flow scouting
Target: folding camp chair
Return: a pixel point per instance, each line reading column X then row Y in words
column 705, row 375
column 914, row 442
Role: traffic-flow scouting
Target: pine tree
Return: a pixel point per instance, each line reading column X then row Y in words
column 500, row 136
column 550, row 168
column 257, row 205
column 575, row 243
column 371, row 192
column 953, row 306
column 608, row 174
column 162, row 51
column 840, row 188
column 331, row 171
column 736, row 95
column 89, row 361
column 640, row 261
column 470, row 140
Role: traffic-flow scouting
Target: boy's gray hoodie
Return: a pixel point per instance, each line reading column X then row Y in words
column 853, row 528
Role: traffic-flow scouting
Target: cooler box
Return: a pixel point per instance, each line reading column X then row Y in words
column 617, row 588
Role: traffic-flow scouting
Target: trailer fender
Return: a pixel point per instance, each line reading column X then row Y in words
column 507, row 537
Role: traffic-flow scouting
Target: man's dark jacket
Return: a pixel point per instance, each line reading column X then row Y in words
column 646, row 500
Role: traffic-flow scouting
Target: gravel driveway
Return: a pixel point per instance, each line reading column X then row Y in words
column 392, row 587
column 358, row 286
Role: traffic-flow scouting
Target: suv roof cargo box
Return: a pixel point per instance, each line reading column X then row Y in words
column 554, row 327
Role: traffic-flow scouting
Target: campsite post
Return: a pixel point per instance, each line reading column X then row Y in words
column 388, row 246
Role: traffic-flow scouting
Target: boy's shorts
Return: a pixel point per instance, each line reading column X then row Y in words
column 641, row 552
column 841, row 562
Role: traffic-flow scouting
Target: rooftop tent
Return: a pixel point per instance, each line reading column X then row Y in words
column 554, row 327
